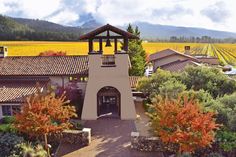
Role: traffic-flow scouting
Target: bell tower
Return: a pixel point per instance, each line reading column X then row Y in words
column 108, row 92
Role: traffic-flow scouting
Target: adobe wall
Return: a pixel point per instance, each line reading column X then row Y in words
column 116, row 77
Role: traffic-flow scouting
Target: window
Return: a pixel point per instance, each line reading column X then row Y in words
column 108, row 60
column 8, row 110
column 15, row 109
column 78, row 79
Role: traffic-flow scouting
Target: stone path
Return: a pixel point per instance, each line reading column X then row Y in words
column 110, row 138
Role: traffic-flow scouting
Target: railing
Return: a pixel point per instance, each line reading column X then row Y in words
column 108, row 60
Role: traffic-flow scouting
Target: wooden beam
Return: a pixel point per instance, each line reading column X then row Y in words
column 100, row 45
column 126, row 42
column 90, row 45
column 110, row 37
column 115, row 49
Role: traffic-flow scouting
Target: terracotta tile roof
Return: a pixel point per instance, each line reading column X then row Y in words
column 44, row 65
column 209, row 60
column 166, row 53
column 178, row 65
column 134, row 81
column 15, row 91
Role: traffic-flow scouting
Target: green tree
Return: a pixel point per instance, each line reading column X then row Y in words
column 161, row 82
column 136, row 53
column 209, row 79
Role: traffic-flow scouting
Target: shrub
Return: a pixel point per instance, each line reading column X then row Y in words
column 29, row 150
column 209, row 79
column 76, row 125
column 181, row 122
column 186, row 155
column 8, row 143
column 214, row 155
column 226, row 139
column 8, row 119
column 161, row 81
column 171, row 89
column 228, row 109
column 232, row 122
column 7, row 128
column 44, row 114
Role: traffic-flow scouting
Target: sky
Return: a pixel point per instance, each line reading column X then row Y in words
column 210, row 14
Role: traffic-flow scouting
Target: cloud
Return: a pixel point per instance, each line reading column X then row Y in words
column 65, row 17
column 28, row 8
column 211, row 14
column 170, row 13
column 217, row 12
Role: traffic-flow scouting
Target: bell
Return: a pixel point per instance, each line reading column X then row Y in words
column 108, row 43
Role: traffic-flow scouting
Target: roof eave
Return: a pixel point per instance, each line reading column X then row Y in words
column 109, row 27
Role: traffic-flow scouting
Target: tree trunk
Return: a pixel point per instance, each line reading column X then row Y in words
column 46, row 144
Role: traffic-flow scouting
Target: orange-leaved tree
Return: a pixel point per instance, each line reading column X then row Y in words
column 44, row 114
column 52, row 53
column 182, row 123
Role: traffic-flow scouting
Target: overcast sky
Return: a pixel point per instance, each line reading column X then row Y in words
column 211, row 14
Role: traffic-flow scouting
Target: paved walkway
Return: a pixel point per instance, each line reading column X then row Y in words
column 110, row 138
column 142, row 123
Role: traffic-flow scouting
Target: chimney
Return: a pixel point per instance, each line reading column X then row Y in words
column 187, row 50
column 3, row 51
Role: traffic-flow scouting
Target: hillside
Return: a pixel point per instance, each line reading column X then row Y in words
column 9, row 25
column 153, row 31
column 45, row 26
column 29, row 29
column 33, row 29
column 157, row 31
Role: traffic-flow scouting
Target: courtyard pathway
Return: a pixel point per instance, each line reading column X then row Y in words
column 110, row 138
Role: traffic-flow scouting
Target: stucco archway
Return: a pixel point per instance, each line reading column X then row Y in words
column 108, row 102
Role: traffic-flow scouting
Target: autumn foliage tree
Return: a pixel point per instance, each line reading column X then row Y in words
column 52, row 53
column 43, row 115
column 181, row 122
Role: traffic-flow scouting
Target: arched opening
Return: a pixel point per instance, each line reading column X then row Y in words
column 108, row 102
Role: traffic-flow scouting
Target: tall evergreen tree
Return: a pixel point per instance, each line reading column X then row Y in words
column 136, row 53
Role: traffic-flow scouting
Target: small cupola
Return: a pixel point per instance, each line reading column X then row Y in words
column 3, row 51
column 108, row 33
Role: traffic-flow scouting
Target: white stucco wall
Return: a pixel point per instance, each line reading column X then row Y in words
column 0, row 112
column 100, row 77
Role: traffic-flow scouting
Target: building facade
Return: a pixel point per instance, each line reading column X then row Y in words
column 102, row 81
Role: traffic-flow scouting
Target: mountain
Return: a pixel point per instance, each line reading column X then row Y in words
column 9, row 25
column 154, row 31
column 29, row 29
column 91, row 24
column 45, row 26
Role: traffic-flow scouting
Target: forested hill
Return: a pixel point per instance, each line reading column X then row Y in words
column 28, row 29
